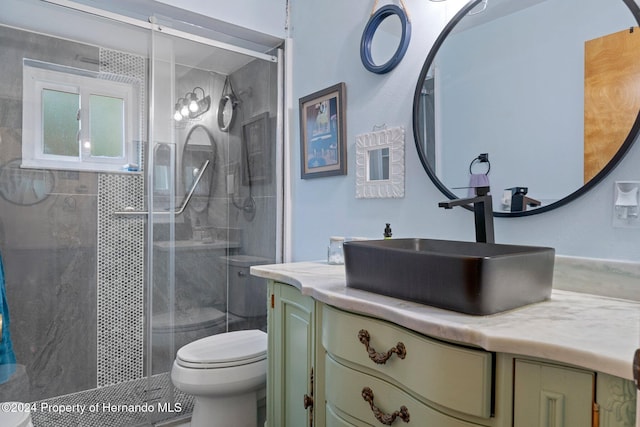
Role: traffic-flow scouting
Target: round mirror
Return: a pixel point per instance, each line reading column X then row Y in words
column 385, row 39
column 548, row 89
column 226, row 112
column 198, row 148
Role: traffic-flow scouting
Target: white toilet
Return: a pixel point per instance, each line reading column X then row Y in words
column 16, row 416
column 226, row 374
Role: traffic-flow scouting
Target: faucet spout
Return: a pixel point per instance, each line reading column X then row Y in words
column 482, row 212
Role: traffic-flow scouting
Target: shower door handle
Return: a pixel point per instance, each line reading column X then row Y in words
column 132, row 212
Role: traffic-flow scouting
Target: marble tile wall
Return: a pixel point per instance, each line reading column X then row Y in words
column 49, row 248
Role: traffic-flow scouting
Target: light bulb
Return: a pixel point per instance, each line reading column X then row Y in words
column 193, row 106
column 177, row 116
column 184, row 110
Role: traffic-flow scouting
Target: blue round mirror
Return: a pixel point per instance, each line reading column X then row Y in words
column 385, row 39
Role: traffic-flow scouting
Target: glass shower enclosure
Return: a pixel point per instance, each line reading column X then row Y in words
column 115, row 258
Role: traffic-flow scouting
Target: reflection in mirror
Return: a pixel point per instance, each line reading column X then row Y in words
column 520, row 80
column 380, row 164
column 386, row 39
column 199, row 147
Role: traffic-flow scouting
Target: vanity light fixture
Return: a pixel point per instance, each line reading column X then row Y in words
column 192, row 106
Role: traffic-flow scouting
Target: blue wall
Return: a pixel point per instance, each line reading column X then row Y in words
column 326, row 39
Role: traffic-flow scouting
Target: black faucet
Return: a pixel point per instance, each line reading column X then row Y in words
column 482, row 210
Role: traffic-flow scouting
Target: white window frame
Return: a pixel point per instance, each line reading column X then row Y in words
column 40, row 76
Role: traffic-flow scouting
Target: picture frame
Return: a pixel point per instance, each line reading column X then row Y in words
column 323, row 150
column 255, row 150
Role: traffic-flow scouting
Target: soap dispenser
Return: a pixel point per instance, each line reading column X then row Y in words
column 387, row 231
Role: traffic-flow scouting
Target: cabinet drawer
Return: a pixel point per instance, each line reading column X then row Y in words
column 456, row 377
column 344, row 390
column 334, row 420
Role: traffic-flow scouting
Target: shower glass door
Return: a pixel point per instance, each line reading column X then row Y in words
column 212, row 195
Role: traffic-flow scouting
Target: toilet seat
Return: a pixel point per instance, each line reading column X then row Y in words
column 224, row 350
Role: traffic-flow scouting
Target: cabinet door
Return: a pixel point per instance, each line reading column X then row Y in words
column 546, row 395
column 291, row 361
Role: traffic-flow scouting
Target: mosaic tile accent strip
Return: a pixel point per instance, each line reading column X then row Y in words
column 115, row 406
column 120, row 280
column 121, row 248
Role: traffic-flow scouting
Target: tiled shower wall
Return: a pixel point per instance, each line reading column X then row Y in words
column 74, row 271
column 49, row 249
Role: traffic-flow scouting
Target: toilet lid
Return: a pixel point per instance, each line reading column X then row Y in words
column 15, row 419
column 224, row 350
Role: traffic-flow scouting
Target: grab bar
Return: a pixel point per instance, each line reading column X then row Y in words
column 131, row 211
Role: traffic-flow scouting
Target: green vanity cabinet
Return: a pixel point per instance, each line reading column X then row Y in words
column 329, row 367
column 290, row 376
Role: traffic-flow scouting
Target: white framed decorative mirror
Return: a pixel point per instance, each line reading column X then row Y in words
column 380, row 164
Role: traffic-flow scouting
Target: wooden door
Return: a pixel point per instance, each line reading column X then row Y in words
column 611, row 96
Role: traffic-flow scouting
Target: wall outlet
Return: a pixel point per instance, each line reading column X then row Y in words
column 626, row 204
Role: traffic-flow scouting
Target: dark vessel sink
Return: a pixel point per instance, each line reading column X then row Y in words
column 468, row 277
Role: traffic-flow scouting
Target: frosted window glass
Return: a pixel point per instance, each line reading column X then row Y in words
column 60, row 124
column 107, row 126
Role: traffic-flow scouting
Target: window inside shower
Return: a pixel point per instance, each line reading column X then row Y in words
column 79, row 120
column 109, row 270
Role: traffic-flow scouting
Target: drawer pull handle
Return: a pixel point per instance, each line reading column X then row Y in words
column 386, row 419
column 380, row 358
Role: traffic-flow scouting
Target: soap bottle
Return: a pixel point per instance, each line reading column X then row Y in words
column 387, row 231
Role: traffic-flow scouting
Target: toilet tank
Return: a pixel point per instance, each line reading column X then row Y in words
column 247, row 296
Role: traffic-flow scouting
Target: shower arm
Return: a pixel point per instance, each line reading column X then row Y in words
column 185, row 202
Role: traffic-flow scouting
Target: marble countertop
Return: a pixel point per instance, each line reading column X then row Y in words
column 594, row 332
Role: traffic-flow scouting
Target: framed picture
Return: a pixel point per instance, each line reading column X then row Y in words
column 323, row 150
column 255, row 150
